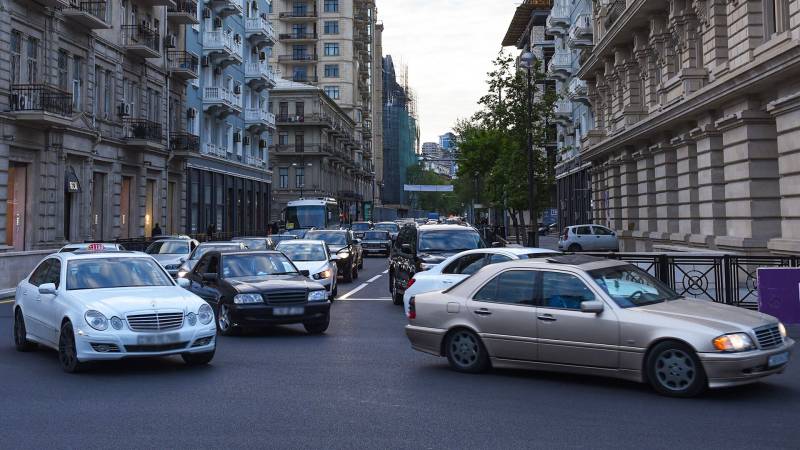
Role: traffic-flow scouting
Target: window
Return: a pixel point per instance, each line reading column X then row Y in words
column 466, row 265
column 283, row 177
column 331, row 27
column 515, row 287
column 602, row 231
column 564, row 291
column 299, row 142
column 96, row 104
column 583, row 230
column 331, row 5
column 77, row 82
column 40, row 274
column 332, row 92
column 33, row 60
column 283, row 138
column 776, row 17
column 331, row 49
column 497, row 259
column 300, row 109
column 63, row 70
column 16, row 50
column 54, row 274
column 332, row 70
column 300, row 176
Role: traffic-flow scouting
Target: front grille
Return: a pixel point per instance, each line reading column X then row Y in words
column 155, row 348
column 155, row 321
column 203, row 341
column 284, row 298
column 104, row 348
column 769, row 336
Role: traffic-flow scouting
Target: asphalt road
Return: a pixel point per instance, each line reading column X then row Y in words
column 361, row 386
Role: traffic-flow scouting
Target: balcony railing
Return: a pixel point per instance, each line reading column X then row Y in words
column 299, row 57
column 298, row 78
column 184, row 11
column 299, row 14
column 577, row 91
column 184, row 142
column 142, row 129
column 559, row 19
column 40, row 97
column 307, row 35
column 260, row 69
column 259, row 116
column 226, row 153
column 311, row 148
column 141, row 35
column 259, row 25
column 221, row 41
column 314, row 118
column 214, row 94
column 560, row 65
column 90, row 14
column 183, row 62
column 580, row 34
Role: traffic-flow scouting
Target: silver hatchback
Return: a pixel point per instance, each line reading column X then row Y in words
column 587, row 238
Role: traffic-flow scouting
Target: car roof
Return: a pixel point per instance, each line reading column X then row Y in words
column 445, row 227
column 582, row 262
column 327, row 231
column 247, row 252
column 219, row 243
column 249, row 237
column 101, row 254
column 302, row 241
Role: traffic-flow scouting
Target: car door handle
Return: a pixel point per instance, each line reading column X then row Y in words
column 447, row 282
column 483, row 312
column 546, row 318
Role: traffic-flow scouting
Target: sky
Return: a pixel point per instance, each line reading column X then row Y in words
column 448, row 46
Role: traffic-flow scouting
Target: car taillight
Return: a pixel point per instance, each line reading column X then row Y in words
column 411, row 282
column 412, row 309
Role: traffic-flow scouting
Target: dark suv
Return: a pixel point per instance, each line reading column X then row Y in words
column 419, row 248
column 346, row 248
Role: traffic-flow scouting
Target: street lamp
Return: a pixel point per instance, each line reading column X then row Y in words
column 527, row 61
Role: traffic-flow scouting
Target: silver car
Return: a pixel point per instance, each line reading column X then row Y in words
column 581, row 314
column 171, row 253
column 587, row 238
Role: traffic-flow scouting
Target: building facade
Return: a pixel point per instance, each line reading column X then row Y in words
column 697, row 108
column 400, row 137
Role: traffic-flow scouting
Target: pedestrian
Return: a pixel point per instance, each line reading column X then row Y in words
column 275, row 228
column 210, row 231
column 156, row 231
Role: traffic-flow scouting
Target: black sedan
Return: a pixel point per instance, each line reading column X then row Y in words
column 377, row 242
column 258, row 289
column 346, row 248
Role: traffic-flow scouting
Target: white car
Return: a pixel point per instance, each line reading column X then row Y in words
column 315, row 258
column 172, row 253
column 92, row 306
column 587, row 238
column 460, row 266
column 84, row 246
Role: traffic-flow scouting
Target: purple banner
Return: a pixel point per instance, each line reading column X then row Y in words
column 779, row 293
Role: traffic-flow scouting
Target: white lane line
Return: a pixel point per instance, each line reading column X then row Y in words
column 347, row 295
column 385, row 271
column 3, row 302
column 374, row 278
column 368, row 299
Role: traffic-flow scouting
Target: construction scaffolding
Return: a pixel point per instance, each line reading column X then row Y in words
column 401, row 133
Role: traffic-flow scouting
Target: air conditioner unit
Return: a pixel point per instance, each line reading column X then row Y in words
column 237, row 38
column 237, row 137
column 237, row 89
column 205, row 61
column 124, row 109
column 170, row 41
column 217, row 22
column 206, row 13
column 191, row 113
column 246, row 140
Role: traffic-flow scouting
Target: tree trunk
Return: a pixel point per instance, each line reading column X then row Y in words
column 515, row 223
column 522, row 225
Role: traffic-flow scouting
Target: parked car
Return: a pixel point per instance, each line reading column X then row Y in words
column 345, row 247
column 256, row 243
column 171, row 253
column 258, row 289
column 315, row 258
column 359, row 228
column 100, row 305
column 204, row 248
column 392, row 227
column 462, row 265
column 583, row 238
column 94, row 246
column 420, row 248
column 377, row 242
column 600, row 317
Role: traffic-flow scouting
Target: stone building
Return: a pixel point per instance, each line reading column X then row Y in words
column 697, row 123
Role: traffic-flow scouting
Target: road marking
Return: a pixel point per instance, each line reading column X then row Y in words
column 385, row 271
column 347, row 295
column 3, row 302
column 367, row 299
column 374, row 278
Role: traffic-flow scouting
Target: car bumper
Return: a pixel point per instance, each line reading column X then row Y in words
column 426, row 340
column 264, row 315
column 126, row 344
column 385, row 249
column 733, row 369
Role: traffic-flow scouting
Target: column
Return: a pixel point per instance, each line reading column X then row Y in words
column 647, row 192
column 713, row 21
column 614, row 197
column 687, row 178
column 745, row 30
column 665, row 173
column 710, row 182
column 786, row 111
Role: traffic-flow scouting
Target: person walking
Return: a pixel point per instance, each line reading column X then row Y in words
column 156, row 231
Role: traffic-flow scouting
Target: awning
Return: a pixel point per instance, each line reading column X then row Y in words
column 71, row 182
column 519, row 24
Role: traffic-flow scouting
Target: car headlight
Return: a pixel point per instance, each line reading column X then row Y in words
column 344, row 255
column 172, row 266
column 116, row 323
column 205, row 314
column 318, row 296
column 182, row 273
column 735, row 342
column 248, row 299
column 782, row 327
column 96, row 320
column 191, row 318
column 324, row 275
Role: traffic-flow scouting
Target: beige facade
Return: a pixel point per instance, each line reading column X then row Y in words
column 696, row 106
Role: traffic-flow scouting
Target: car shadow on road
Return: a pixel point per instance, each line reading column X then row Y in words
column 274, row 331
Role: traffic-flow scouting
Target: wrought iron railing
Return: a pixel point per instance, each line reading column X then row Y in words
column 297, row 35
column 182, row 60
column 184, row 7
column 40, row 97
column 184, row 142
column 97, row 9
column 143, row 129
column 141, row 34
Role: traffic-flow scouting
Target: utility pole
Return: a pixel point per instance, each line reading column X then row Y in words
column 533, row 232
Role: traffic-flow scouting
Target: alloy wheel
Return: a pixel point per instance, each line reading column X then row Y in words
column 224, row 319
column 19, row 330
column 675, row 370
column 67, row 353
column 464, row 348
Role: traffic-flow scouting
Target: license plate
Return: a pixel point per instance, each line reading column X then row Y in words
column 158, row 339
column 778, row 360
column 289, row 311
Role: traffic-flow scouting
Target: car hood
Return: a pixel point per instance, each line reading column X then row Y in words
column 718, row 316
column 311, row 266
column 169, row 259
column 336, row 248
column 122, row 301
column 272, row 283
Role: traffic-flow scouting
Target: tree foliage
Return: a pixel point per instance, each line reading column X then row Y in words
column 442, row 202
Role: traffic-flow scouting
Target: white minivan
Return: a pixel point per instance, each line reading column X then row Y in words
column 588, row 238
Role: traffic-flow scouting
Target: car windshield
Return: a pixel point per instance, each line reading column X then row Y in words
column 390, row 227
column 103, row 273
column 449, row 241
column 168, row 248
column 203, row 249
column 330, row 237
column 282, row 237
column 253, row 244
column 256, row 265
column 630, row 286
column 304, row 252
column 360, row 227
column 376, row 236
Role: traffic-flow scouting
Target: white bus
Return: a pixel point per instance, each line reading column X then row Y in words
column 320, row 213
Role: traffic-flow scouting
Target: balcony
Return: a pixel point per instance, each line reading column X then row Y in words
column 141, row 40
column 581, row 33
column 226, row 153
column 143, row 133
column 183, row 13
column 577, row 91
column 562, row 113
column 221, row 101
column 304, row 78
column 560, row 66
column 225, row 8
column 299, row 58
column 259, row 30
column 55, row 3
column 258, row 120
column 183, row 65
column 307, row 119
column 184, row 142
column 298, row 15
column 41, row 104
column 167, row 3
column 311, row 149
column 224, row 48
column 308, row 36
column 259, row 75
column 92, row 15
column 558, row 21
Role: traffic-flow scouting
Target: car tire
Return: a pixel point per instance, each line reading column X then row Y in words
column 347, row 276
column 574, row 248
column 335, row 291
column 198, row 359
column 397, row 297
column 318, row 327
column 21, row 341
column 673, row 369
column 465, row 352
column 67, row 351
column 225, row 326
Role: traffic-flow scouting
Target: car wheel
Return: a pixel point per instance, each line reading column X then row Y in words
column 466, row 352
column 225, row 325
column 335, row 291
column 21, row 341
column 574, row 248
column 198, row 359
column 318, row 327
column 397, row 297
column 674, row 369
column 67, row 352
column 361, row 263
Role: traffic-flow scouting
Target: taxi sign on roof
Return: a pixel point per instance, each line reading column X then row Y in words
column 96, row 247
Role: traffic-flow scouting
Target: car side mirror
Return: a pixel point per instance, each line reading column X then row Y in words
column 305, row 273
column 592, row 307
column 210, row 277
column 406, row 248
column 184, row 283
column 47, row 289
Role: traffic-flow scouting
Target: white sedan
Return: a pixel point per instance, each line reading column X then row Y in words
column 110, row 305
column 460, row 266
column 315, row 258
